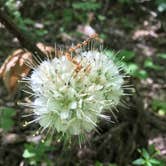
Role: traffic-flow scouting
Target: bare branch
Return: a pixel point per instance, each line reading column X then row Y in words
column 24, row 40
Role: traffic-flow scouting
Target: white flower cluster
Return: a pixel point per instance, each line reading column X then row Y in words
column 71, row 101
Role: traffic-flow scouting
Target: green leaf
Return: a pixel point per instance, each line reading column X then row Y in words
column 162, row 7
column 110, row 53
column 126, row 55
column 86, row 6
column 101, row 17
column 98, row 163
column 112, row 164
column 7, row 124
column 36, row 152
column 151, row 149
column 154, row 161
column 139, row 150
column 67, row 15
column 142, row 74
column 148, row 164
column 28, row 21
column 145, row 154
column 162, row 55
column 41, row 32
column 7, row 112
column 149, row 64
column 139, row 161
column 132, row 68
column 28, row 154
column 158, row 104
column 6, row 121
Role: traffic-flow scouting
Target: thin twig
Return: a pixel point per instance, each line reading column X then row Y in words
column 24, row 40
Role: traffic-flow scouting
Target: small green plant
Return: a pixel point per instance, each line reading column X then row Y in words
column 81, row 9
column 159, row 106
column 6, row 121
column 126, row 55
column 87, row 6
column 132, row 68
column 101, row 164
column 36, row 153
column 147, row 157
column 129, row 66
column 150, row 64
column 161, row 5
column 135, row 71
column 13, row 8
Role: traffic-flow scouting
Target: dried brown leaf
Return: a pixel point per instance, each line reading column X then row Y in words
column 14, row 68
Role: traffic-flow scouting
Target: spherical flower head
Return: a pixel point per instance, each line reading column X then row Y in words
column 71, row 101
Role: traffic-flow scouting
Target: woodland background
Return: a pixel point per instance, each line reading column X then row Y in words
column 136, row 30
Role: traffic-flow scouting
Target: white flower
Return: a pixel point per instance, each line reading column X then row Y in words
column 71, row 101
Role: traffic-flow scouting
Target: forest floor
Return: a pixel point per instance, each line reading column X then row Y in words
column 140, row 29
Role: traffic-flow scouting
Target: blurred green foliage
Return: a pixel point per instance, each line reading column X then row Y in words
column 125, row 1
column 126, row 58
column 148, row 157
column 91, row 5
column 6, row 121
column 132, row 68
column 162, row 55
column 161, row 5
column 148, row 63
column 36, row 153
column 77, row 11
column 23, row 23
column 159, row 106
column 126, row 55
column 101, row 164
